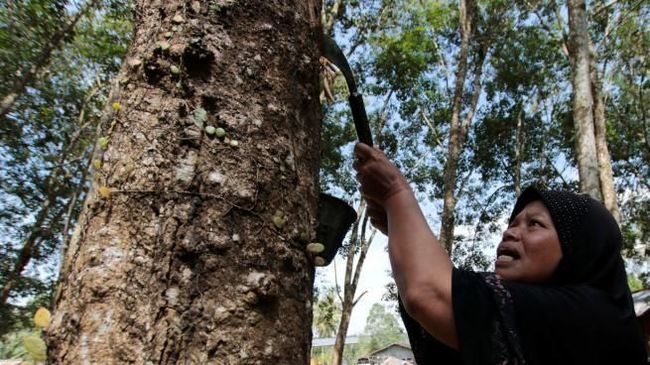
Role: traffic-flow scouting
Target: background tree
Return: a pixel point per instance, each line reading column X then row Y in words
column 327, row 314
column 63, row 31
column 382, row 329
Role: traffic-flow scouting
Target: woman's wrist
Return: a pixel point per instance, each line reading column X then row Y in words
column 402, row 195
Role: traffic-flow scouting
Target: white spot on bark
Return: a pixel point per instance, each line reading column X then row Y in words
column 172, row 295
column 185, row 170
column 104, row 231
column 216, row 177
column 244, row 193
column 186, row 274
column 221, row 313
column 84, row 352
column 254, row 278
column 106, row 320
column 235, row 237
column 268, row 350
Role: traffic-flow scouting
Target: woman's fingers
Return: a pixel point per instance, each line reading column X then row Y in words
column 362, row 151
column 377, row 216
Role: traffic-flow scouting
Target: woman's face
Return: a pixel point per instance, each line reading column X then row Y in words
column 530, row 248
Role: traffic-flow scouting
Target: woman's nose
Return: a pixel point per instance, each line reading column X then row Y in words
column 510, row 234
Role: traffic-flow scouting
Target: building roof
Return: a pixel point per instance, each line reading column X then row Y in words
column 404, row 345
column 641, row 300
column 330, row 341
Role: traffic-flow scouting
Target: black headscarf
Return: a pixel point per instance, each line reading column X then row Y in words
column 583, row 315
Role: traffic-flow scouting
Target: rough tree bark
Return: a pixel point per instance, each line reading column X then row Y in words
column 190, row 248
column 583, row 118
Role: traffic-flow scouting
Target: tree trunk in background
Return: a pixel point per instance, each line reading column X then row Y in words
column 606, row 173
column 583, row 104
column 456, row 130
column 352, row 275
column 361, row 245
column 190, row 248
column 520, row 135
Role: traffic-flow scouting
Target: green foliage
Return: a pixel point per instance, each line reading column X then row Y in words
column 27, row 343
column 522, row 132
column 45, row 142
column 327, row 314
column 634, row 283
column 382, row 329
column 12, row 346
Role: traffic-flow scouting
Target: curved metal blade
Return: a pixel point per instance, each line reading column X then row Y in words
column 333, row 53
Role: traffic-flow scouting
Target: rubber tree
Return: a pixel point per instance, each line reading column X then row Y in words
column 594, row 165
column 190, row 248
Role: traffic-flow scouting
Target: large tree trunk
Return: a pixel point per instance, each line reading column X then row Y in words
column 190, row 248
column 583, row 118
column 455, row 129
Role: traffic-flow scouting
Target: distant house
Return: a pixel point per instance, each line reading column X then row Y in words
column 325, row 345
column 394, row 354
column 642, row 308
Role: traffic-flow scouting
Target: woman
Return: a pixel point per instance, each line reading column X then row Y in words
column 558, row 295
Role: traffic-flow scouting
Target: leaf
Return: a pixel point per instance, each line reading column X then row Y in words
column 35, row 347
column 42, row 318
column 97, row 164
column 103, row 143
column 104, row 192
column 315, row 247
column 278, row 219
column 116, row 106
column 200, row 116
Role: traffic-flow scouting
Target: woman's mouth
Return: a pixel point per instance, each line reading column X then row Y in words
column 506, row 255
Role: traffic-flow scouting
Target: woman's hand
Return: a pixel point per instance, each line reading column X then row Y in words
column 378, row 217
column 379, row 178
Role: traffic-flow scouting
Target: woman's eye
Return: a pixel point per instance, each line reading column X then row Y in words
column 534, row 222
